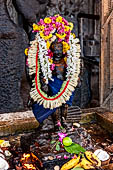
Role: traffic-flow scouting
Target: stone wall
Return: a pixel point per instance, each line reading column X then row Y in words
column 13, row 41
column 106, row 74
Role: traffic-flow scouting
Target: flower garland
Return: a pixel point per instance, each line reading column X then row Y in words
column 40, row 57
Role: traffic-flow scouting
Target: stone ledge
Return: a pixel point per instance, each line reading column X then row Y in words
column 105, row 120
column 10, row 123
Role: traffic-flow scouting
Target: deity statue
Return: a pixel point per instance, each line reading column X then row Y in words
column 53, row 66
column 59, row 72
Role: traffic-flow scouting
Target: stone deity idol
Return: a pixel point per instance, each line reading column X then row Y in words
column 60, row 72
column 53, row 66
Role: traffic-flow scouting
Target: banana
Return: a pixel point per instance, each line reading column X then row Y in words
column 70, row 164
column 93, row 158
column 78, row 165
column 86, row 164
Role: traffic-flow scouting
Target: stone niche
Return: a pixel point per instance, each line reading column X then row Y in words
column 16, row 19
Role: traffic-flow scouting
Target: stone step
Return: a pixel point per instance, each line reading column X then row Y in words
column 105, row 120
column 10, row 123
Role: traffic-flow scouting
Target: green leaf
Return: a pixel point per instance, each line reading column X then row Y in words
column 74, row 148
column 53, row 141
column 61, row 127
column 77, row 168
column 57, row 147
column 59, row 143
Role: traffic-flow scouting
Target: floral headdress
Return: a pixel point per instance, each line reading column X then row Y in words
column 40, row 57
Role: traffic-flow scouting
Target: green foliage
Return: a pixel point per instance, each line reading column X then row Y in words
column 53, row 141
column 74, row 148
column 57, row 147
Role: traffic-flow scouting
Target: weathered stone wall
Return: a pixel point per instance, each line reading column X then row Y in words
column 106, row 74
column 13, row 41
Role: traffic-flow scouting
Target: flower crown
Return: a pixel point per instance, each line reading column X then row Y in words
column 55, row 27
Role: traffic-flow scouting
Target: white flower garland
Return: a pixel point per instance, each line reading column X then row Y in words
column 73, row 61
column 73, row 70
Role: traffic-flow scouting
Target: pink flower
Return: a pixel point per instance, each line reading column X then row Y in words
column 52, row 67
column 65, row 21
column 41, row 22
column 46, row 33
column 60, row 31
column 58, row 123
column 50, row 54
column 27, row 62
column 58, row 24
column 59, row 40
column 49, row 51
column 65, row 157
column 58, row 156
column 61, row 136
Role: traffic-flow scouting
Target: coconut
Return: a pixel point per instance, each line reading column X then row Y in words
column 103, row 156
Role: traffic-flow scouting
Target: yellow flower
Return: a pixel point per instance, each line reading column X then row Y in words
column 42, row 34
column 66, row 47
column 48, row 36
column 67, row 28
column 61, row 36
column 47, row 20
column 73, row 35
column 71, row 25
column 48, row 44
column 26, row 51
column 59, row 19
column 51, row 61
column 42, row 27
column 36, row 27
column 54, row 25
column 65, row 59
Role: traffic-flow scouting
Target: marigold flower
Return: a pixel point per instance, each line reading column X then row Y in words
column 42, row 27
column 48, row 44
column 48, row 36
column 42, row 34
column 54, row 25
column 47, row 20
column 59, row 19
column 66, row 46
column 26, row 51
column 36, row 27
column 51, row 61
column 71, row 25
column 73, row 35
column 65, row 59
column 61, row 36
column 67, row 28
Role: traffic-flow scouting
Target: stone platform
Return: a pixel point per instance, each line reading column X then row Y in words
column 11, row 123
column 105, row 120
